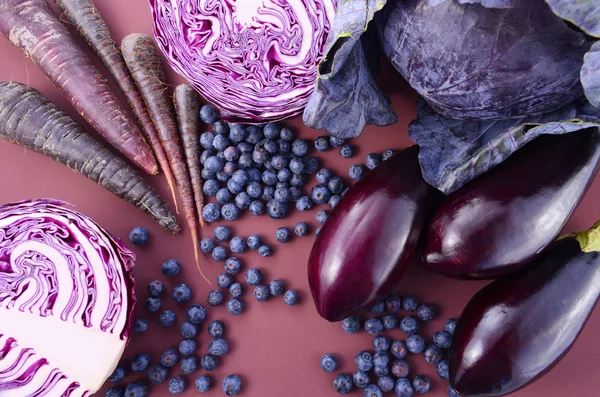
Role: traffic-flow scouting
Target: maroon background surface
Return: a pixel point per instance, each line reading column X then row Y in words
column 274, row 348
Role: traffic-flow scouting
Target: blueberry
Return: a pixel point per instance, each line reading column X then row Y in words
column 295, row 193
column 320, row 194
column 223, row 177
column 283, row 195
column 233, row 267
column 203, row 383
column 254, row 242
column 235, row 306
column 451, row 392
column 241, row 177
column 222, row 233
column 403, row 388
column 139, row 236
column 389, row 321
column 415, row 343
column 400, row 368
column 335, row 141
column 140, row 362
column 269, row 178
column 234, row 187
column 386, row 384
column 381, row 371
column 261, row 293
column 218, row 347
column 291, row 297
column 228, row 169
column 284, row 175
column 207, row 245
column 206, row 140
column 118, row 375
column 409, row 325
column 364, row 361
column 140, row 325
column 335, row 185
column 373, row 326
column 409, row 304
column 328, row 363
column 297, row 180
column 207, row 174
column 221, row 127
column 300, row 147
column 421, row 384
column 224, row 196
column 301, row 229
column 282, row 185
column 271, row 130
column 284, row 146
column 211, row 212
column 214, row 163
column 232, row 385
column 343, row 383
column 254, row 175
column 311, row 165
column 304, row 204
column 255, row 134
column 393, row 303
column 230, row 212
column 260, row 154
column 433, row 354
column 211, row 187
column 238, row 245
column 215, row 297
column 380, row 359
column 158, row 374
column 232, row 153
column 357, row 171
column 297, row 166
column 321, row 217
column 346, row 151
column 442, row 369
column 187, row 347
column 167, row 318
column 333, row 201
column 399, row 349
column 203, row 156
column 254, row 189
column 115, row 392
column 136, row 389
column 243, row 200
column 283, row 235
column 237, row 133
column 170, row 268
column 253, row 276
column 219, row 254
column 381, row 344
column 216, row 329
column 387, row 154
column 276, row 288
column 208, row 114
column 280, row 161
column 286, row 134
column 351, row 325
column 426, row 312
column 450, row 325
column 277, row 209
column 322, row 143
column 177, row 385
column 378, row 307
column 361, row 379
column 442, row 339
column 236, row 290
column 153, row 304
column 323, row 175
column 268, row 193
column 156, row 288
column 208, row 362
column 189, row 365
column 373, row 160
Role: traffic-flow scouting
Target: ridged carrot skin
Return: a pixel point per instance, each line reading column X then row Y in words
column 187, row 106
column 143, row 62
column 92, row 28
column 32, row 26
column 29, row 119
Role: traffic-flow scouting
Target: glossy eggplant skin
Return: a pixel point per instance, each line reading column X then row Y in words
column 370, row 237
column 518, row 327
column 500, row 221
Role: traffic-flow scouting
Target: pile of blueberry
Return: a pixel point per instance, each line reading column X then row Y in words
column 185, row 354
column 387, row 363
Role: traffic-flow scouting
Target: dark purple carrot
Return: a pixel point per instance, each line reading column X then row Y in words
column 144, row 64
column 29, row 119
column 90, row 25
column 187, row 106
column 32, row 26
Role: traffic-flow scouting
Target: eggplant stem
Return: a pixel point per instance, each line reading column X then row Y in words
column 589, row 240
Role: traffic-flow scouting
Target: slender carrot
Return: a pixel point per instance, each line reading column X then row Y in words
column 32, row 26
column 144, row 64
column 29, row 119
column 92, row 28
column 187, row 106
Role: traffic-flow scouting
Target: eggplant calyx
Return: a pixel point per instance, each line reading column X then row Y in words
column 589, row 240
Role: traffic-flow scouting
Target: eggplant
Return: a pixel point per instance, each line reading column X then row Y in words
column 500, row 221
column 518, row 327
column 370, row 237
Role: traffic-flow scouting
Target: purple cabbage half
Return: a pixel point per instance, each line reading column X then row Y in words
column 66, row 300
column 255, row 60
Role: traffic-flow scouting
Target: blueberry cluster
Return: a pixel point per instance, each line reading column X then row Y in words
column 385, row 369
column 237, row 245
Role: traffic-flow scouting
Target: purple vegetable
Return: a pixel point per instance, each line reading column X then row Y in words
column 66, row 300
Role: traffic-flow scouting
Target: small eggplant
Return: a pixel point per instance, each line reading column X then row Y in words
column 370, row 238
column 517, row 328
column 500, row 221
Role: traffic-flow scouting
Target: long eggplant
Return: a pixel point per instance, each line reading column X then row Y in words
column 500, row 221
column 370, row 237
column 518, row 327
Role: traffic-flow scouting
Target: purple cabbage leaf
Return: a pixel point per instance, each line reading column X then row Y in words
column 590, row 74
column 585, row 14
